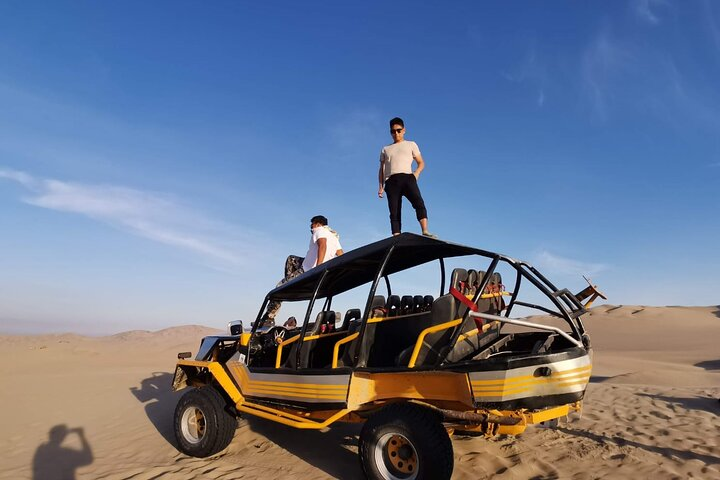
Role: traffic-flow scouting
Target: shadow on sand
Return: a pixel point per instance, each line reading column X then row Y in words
column 327, row 451
column 55, row 461
column 707, row 404
column 159, row 399
column 667, row 452
column 709, row 364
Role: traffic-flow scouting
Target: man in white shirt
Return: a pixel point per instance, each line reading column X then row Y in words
column 397, row 178
column 324, row 246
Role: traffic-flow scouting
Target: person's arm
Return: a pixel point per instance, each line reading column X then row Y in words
column 420, row 164
column 322, row 248
column 381, row 178
column 85, row 455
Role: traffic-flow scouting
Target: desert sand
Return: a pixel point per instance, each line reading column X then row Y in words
column 101, row 408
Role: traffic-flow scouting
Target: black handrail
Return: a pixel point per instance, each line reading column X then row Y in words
column 307, row 319
column 368, row 306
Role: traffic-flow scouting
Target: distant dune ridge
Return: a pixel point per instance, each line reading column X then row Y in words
column 101, row 408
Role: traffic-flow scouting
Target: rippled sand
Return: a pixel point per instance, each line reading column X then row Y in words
column 651, row 410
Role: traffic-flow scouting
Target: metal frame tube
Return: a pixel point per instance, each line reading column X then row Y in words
column 442, row 276
column 523, row 323
column 368, row 304
column 307, row 319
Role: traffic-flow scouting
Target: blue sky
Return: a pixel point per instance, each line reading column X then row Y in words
column 158, row 160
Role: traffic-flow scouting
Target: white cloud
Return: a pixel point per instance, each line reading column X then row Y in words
column 150, row 215
column 20, row 177
column 602, row 62
column 530, row 71
column 646, row 10
column 555, row 264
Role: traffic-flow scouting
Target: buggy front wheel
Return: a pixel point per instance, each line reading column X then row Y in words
column 405, row 441
column 203, row 426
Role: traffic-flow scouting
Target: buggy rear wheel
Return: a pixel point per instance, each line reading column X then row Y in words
column 203, row 426
column 404, row 441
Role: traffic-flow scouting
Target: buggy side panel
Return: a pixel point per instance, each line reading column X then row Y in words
column 325, row 389
column 446, row 389
column 550, row 383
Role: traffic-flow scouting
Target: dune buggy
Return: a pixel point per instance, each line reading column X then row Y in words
column 413, row 368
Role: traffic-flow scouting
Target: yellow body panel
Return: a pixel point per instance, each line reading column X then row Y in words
column 367, row 388
column 442, row 389
column 515, row 385
column 287, row 389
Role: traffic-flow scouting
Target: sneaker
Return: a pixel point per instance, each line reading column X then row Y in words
column 429, row 235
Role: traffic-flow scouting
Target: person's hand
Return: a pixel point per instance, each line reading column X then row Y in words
column 380, row 192
column 416, row 174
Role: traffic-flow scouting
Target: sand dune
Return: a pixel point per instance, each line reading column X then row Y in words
column 651, row 410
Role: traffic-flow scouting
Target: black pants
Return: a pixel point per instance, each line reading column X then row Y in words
column 403, row 185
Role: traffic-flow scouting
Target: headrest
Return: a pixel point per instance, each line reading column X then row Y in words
column 323, row 318
column 471, row 283
column 377, row 307
column 393, row 305
column 352, row 314
column 458, row 275
column 378, row 301
column 427, row 303
column 406, row 305
column 418, row 303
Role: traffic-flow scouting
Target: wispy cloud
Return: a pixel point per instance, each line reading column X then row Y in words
column 22, row 178
column 619, row 74
column 150, row 215
column 530, row 71
column 541, row 98
column 358, row 128
column 555, row 264
column 646, row 10
column 603, row 59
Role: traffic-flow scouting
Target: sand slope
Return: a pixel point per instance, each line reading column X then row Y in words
column 651, row 410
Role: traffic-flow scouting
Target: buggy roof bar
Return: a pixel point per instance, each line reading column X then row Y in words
column 358, row 267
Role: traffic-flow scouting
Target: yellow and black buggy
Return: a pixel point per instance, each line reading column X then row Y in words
column 414, row 368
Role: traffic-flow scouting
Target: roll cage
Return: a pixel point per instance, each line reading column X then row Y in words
column 375, row 262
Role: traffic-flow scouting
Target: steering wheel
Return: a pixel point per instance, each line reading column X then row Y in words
column 276, row 335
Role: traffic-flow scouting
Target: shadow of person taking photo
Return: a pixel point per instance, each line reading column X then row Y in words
column 55, row 461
